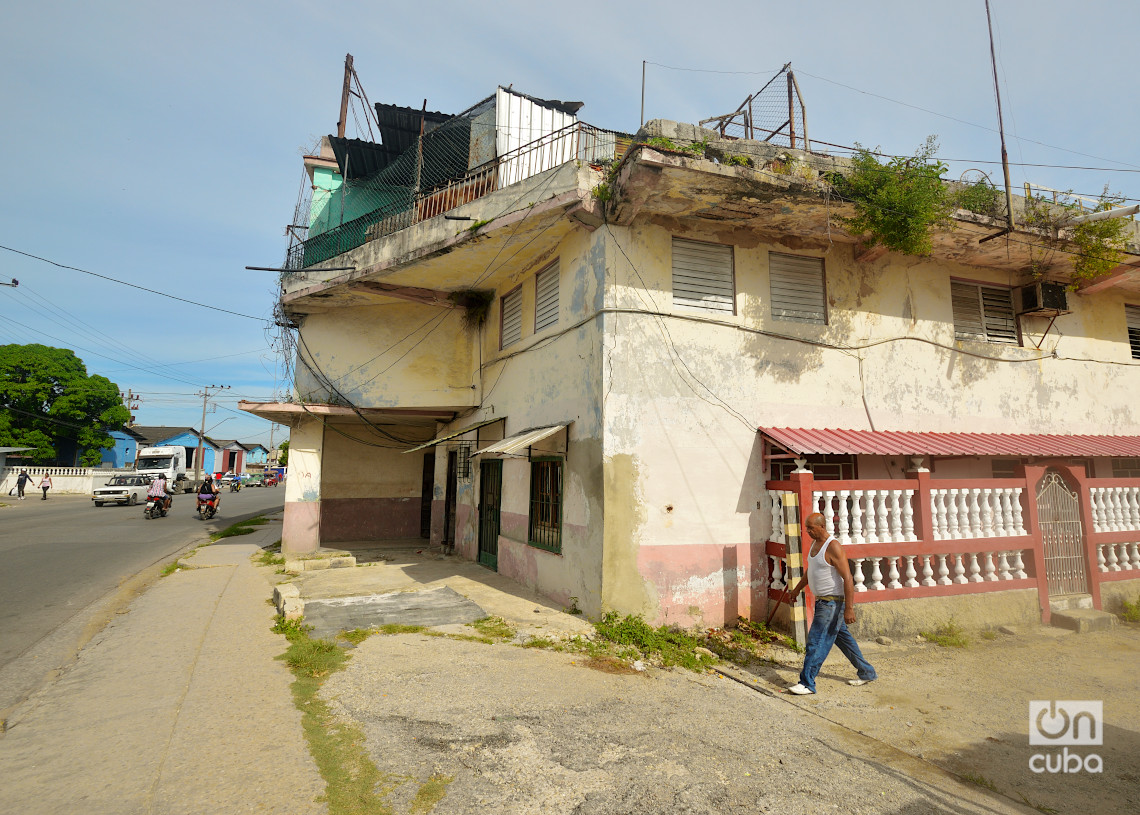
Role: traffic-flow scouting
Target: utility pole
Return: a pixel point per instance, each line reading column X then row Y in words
column 1001, row 126
column 344, row 96
column 131, row 403
column 199, row 459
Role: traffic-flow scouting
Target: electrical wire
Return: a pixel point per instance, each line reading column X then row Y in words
column 130, row 285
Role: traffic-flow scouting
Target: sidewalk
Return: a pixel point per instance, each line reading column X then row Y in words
column 177, row 706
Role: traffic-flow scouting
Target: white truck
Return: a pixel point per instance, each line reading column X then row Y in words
column 170, row 461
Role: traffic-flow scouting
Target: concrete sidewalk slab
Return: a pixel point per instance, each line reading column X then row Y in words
column 177, row 706
column 407, row 566
column 430, row 607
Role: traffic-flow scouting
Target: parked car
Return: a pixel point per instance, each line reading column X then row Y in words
column 122, row 489
column 255, row 481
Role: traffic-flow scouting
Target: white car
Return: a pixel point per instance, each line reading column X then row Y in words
column 122, row 489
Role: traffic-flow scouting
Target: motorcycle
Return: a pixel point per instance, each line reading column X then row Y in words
column 155, row 507
column 235, row 486
column 207, row 506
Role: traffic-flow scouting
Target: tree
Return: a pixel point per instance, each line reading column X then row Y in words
column 283, row 453
column 48, row 398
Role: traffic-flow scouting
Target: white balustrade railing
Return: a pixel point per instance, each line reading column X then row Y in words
column 903, row 571
column 1115, row 509
column 776, row 507
column 1118, row 557
column 867, row 516
column 976, row 512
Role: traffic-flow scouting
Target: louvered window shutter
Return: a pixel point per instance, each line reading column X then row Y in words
column 512, row 318
column 546, row 297
column 983, row 313
column 798, row 291
column 1132, row 317
column 702, row 276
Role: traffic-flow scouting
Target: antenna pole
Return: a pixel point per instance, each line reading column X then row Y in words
column 344, row 96
column 643, row 92
column 1001, row 126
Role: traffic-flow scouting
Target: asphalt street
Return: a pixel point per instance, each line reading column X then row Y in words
column 61, row 560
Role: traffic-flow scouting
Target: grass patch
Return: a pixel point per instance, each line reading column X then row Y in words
column 240, row 528
column 539, row 642
column 989, row 635
column 666, row 645
column 980, row 780
column 1130, row 611
column 269, row 557
column 357, row 635
column 494, row 627
column 948, row 635
column 748, row 642
column 397, row 628
column 470, row 638
column 170, row 568
column 430, row 794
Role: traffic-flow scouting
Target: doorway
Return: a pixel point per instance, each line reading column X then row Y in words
column 449, row 500
column 427, row 490
column 1062, row 537
column 490, row 503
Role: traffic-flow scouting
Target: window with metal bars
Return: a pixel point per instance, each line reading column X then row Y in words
column 703, row 276
column 983, row 313
column 546, row 297
column 546, row 504
column 1132, row 317
column 798, row 288
column 510, row 318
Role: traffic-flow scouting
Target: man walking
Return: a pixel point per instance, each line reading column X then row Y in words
column 22, row 481
column 829, row 577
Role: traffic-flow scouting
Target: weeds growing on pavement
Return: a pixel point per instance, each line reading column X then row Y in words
column 989, row 634
column 397, row 628
column 170, row 568
column 665, row 645
column 353, row 783
column 240, row 528
column 948, row 635
column 539, row 642
column 980, row 780
column 496, row 628
column 269, row 557
column 357, row 635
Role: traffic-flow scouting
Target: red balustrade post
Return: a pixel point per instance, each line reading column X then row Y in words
column 1033, row 474
column 923, row 519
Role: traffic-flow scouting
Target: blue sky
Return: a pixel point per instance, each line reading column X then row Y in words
column 161, row 144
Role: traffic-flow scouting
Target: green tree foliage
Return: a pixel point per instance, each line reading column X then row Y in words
column 48, row 397
column 898, row 202
column 283, row 457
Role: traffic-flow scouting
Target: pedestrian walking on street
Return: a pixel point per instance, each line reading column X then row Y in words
column 45, row 485
column 22, row 481
column 829, row 578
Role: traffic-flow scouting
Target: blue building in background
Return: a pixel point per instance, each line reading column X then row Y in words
column 125, row 451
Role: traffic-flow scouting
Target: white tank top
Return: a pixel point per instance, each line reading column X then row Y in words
column 823, row 578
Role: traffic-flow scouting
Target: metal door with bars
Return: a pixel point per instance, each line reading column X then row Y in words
column 490, row 502
column 1058, row 513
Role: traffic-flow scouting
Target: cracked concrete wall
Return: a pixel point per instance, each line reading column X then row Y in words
column 685, row 392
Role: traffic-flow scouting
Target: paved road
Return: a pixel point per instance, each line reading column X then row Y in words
column 61, row 558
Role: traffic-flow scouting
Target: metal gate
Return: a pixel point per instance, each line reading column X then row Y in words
column 1058, row 512
column 490, row 501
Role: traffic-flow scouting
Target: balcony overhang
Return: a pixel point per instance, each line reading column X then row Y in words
column 427, row 261
column 288, row 412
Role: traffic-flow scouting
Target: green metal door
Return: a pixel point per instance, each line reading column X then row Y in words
column 490, row 500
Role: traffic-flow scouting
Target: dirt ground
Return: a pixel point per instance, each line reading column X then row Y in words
column 967, row 709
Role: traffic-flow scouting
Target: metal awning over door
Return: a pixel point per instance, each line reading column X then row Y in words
column 513, row 444
column 455, row 434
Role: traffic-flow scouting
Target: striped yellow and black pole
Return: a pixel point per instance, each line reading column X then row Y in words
column 795, row 571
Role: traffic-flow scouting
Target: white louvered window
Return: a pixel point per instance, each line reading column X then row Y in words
column 799, row 291
column 511, row 315
column 546, row 297
column 702, row 276
column 1132, row 317
column 983, row 313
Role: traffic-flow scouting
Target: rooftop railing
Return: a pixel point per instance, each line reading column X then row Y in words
column 575, row 142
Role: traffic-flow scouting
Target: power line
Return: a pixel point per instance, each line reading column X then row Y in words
column 131, row 285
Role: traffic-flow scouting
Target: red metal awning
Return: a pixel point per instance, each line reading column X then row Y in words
column 897, row 442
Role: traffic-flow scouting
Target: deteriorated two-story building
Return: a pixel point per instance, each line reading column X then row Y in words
column 623, row 373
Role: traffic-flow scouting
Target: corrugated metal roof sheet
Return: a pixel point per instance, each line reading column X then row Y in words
column 400, row 126
column 513, row 444
column 454, row 434
column 364, row 157
column 896, row 442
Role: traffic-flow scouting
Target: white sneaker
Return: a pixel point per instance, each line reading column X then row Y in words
column 857, row 682
column 799, row 689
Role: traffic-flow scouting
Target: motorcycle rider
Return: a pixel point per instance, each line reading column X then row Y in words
column 209, row 488
column 158, row 489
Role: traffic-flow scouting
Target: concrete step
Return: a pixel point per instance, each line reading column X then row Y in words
column 1083, row 620
column 1065, row 602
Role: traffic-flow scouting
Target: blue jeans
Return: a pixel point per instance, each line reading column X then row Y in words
column 827, row 629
